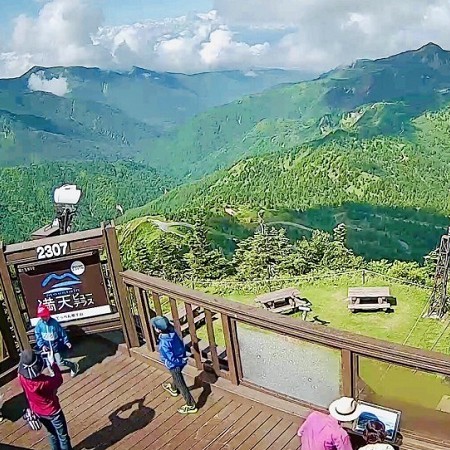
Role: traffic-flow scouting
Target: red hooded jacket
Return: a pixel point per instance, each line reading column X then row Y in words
column 41, row 392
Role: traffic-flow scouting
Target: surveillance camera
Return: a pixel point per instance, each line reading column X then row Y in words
column 67, row 195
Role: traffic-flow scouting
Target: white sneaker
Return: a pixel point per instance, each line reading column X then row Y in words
column 75, row 370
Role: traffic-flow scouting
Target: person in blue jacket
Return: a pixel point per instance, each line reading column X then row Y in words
column 51, row 336
column 173, row 355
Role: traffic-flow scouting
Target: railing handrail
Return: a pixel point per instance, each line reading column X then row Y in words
column 389, row 352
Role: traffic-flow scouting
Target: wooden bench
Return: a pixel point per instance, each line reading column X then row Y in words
column 369, row 299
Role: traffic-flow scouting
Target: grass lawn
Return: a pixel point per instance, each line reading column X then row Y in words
column 417, row 394
column 329, row 303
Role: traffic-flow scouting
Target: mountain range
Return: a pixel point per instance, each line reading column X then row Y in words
column 99, row 114
column 365, row 99
column 365, row 144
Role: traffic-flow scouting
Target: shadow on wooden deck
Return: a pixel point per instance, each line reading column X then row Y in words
column 118, row 403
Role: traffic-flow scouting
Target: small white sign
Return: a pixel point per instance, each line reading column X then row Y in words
column 76, row 315
column 77, row 268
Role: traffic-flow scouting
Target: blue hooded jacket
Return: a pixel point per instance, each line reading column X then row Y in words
column 171, row 349
column 50, row 334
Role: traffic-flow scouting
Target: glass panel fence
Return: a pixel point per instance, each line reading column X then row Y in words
column 423, row 398
column 299, row 369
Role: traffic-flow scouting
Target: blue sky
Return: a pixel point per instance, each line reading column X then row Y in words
column 116, row 12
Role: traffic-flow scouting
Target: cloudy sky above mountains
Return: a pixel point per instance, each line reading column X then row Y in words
column 200, row 35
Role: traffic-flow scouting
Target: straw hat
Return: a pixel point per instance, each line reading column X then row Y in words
column 345, row 409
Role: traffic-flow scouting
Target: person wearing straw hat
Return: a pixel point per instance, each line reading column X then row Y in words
column 324, row 431
column 41, row 392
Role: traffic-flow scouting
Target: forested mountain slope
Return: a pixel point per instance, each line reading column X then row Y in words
column 366, row 99
column 392, row 191
column 88, row 113
column 26, row 193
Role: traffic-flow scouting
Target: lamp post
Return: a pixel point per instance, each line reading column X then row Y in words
column 66, row 199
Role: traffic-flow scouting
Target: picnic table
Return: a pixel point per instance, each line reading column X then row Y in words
column 284, row 301
column 369, row 299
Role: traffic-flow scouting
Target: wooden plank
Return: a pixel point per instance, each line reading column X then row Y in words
column 107, row 413
column 289, row 434
column 212, row 342
column 177, row 426
column 157, row 303
column 150, row 314
column 368, row 347
column 259, row 434
column 12, row 304
column 293, row 444
column 369, row 292
column 82, row 425
column 248, row 430
column 111, row 436
column 278, row 295
column 274, row 434
column 224, row 427
column 194, row 339
column 175, row 316
column 347, row 373
column 234, row 429
column 196, row 424
column 230, row 344
column 145, row 319
column 370, row 306
column 216, row 425
column 156, row 427
column 84, row 401
column 120, row 292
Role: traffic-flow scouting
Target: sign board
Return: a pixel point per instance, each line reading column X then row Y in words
column 72, row 289
column 388, row 417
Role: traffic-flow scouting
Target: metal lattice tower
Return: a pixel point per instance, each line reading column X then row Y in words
column 439, row 301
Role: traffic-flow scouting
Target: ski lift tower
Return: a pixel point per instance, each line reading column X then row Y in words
column 440, row 301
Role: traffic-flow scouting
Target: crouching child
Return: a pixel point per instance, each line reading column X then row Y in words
column 52, row 337
column 173, row 355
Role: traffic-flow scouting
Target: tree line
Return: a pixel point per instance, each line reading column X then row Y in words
column 266, row 254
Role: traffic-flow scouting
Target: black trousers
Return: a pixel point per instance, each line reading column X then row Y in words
column 179, row 383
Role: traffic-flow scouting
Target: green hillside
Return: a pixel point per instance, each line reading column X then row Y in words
column 26, row 193
column 163, row 100
column 365, row 99
column 110, row 115
column 391, row 192
column 37, row 127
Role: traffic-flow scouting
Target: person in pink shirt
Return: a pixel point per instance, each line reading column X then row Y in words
column 324, row 431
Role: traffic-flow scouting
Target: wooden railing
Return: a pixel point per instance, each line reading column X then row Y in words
column 206, row 322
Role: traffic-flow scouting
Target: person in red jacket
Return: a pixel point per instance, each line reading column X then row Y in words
column 41, row 393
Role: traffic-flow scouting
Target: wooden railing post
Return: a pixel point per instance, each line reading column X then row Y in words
column 194, row 339
column 347, row 373
column 232, row 349
column 120, row 292
column 144, row 313
column 12, row 304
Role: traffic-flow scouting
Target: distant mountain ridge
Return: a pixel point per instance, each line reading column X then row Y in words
column 109, row 115
column 365, row 99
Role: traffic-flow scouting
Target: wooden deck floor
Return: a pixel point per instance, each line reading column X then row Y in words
column 119, row 404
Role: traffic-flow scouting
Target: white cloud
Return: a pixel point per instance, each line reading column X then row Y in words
column 57, row 86
column 324, row 34
column 305, row 34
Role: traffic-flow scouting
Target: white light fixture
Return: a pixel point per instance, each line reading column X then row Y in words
column 68, row 194
column 66, row 199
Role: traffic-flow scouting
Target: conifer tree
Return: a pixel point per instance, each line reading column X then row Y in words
column 204, row 261
column 264, row 255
